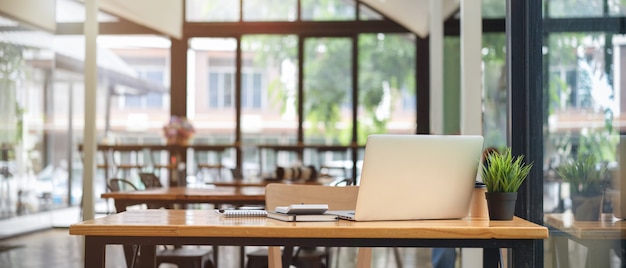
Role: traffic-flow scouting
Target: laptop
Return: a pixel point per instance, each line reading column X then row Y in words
column 412, row 177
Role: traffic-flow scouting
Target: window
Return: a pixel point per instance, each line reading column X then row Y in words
column 251, row 91
column 221, row 90
column 212, row 10
column 132, row 101
column 270, row 10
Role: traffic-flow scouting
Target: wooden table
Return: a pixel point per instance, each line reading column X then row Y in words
column 598, row 236
column 176, row 151
column 201, row 227
column 167, row 197
column 299, row 150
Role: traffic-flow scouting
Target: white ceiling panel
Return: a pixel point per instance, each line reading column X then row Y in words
column 38, row 13
column 412, row 14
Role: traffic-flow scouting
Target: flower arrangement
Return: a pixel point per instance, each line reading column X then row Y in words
column 179, row 130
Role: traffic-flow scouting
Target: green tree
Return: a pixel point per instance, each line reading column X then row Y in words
column 12, row 72
column 384, row 60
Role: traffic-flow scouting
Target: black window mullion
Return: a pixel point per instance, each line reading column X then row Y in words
column 525, row 86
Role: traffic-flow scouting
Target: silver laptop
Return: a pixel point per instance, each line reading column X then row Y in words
column 411, row 177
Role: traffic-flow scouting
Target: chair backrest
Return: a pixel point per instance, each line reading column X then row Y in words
column 337, row 198
column 129, row 155
column 150, row 180
column 120, row 185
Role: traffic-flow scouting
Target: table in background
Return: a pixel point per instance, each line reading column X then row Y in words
column 177, row 153
column 299, row 150
column 598, row 236
column 169, row 196
column 201, row 227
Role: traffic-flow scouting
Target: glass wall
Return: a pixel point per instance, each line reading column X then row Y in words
column 43, row 103
column 31, row 148
column 269, row 99
column 582, row 133
column 386, row 87
column 328, row 90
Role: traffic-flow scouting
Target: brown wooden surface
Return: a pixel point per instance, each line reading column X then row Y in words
column 169, row 196
column 207, row 223
column 221, row 194
column 264, row 183
column 606, row 228
column 337, row 198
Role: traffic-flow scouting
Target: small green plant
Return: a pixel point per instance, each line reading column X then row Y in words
column 585, row 175
column 502, row 172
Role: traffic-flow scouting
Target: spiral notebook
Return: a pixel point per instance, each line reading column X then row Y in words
column 240, row 213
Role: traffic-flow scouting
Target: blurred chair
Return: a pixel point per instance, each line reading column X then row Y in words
column 327, row 168
column 277, row 194
column 161, row 161
column 150, row 180
column 128, row 158
column 120, row 185
column 196, row 257
column 208, row 162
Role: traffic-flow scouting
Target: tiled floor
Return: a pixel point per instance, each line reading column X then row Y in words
column 55, row 248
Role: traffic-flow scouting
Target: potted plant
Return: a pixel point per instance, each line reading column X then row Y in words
column 586, row 178
column 503, row 174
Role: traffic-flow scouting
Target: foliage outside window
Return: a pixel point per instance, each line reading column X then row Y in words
column 12, row 72
column 386, row 80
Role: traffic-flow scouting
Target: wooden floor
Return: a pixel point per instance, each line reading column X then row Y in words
column 55, row 248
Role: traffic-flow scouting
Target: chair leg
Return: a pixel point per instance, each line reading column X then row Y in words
column 274, row 259
column 364, row 258
column 396, row 254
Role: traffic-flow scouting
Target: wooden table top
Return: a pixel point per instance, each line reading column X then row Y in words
column 207, row 194
column 263, row 183
column 207, row 223
column 606, row 228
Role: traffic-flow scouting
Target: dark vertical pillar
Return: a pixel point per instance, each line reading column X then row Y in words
column 355, row 105
column 422, row 85
column 238, row 91
column 300, row 88
column 178, row 95
column 178, row 74
column 524, row 30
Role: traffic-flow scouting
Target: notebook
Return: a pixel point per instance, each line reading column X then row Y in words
column 301, row 217
column 238, row 213
column 411, row 177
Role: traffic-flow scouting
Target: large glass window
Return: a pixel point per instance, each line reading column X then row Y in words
column 328, row 10
column 270, row 10
column 575, row 8
column 495, row 95
column 327, row 90
column 387, row 99
column 583, row 124
column 494, row 8
column 27, row 136
column 212, row 10
column 269, row 97
column 211, row 89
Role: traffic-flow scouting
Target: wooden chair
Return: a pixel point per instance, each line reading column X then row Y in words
column 337, row 198
column 196, row 257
